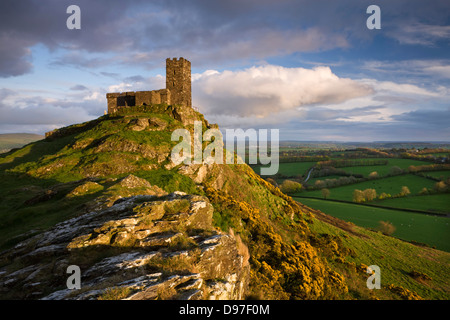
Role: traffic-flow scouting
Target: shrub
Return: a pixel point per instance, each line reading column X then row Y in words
column 384, row 195
column 370, row 194
column 404, row 293
column 440, row 186
column 419, row 275
column 325, row 193
column 115, row 293
column 386, row 227
column 319, row 184
column 404, row 191
column 358, row 196
column 362, row 196
column 289, row 186
column 394, row 170
column 373, row 175
column 272, row 182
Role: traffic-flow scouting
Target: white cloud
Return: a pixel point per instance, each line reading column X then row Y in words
column 271, row 96
column 420, row 34
column 267, row 90
column 398, row 88
column 442, row 71
column 21, row 112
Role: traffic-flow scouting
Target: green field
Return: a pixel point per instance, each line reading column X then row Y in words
column 439, row 203
column 290, row 168
column 383, row 170
column 438, row 174
column 391, row 185
column 432, row 230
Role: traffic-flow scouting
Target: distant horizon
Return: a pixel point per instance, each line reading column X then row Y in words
column 302, row 141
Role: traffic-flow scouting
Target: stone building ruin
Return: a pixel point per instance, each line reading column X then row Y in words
column 177, row 91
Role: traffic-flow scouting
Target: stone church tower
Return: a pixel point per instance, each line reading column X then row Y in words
column 177, row 91
column 178, row 81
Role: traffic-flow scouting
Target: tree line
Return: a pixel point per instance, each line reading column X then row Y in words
column 341, row 163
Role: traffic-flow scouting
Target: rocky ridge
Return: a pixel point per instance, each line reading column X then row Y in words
column 141, row 247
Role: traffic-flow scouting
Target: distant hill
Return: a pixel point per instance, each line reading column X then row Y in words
column 9, row 141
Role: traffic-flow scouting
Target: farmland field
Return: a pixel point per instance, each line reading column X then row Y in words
column 439, row 174
column 391, row 185
column 428, row 229
column 290, row 168
column 439, row 203
column 383, row 170
column 416, row 216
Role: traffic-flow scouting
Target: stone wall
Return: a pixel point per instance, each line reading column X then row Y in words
column 128, row 99
column 153, row 97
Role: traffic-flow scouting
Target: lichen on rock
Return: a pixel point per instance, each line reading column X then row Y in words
column 142, row 247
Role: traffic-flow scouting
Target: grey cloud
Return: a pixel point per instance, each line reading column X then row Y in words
column 363, row 131
column 439, row 119
column 26, row 23
column 110, row 74
column 32, row 113
column 136, row 78
column 420, row 34
column 325, row 114
column 139, row 32
column 15, row 56
column 79, row 87
column 76, row 59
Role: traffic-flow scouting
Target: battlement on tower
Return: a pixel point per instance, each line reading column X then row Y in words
column 177, row 91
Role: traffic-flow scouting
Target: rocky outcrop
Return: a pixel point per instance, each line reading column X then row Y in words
column 141, row 247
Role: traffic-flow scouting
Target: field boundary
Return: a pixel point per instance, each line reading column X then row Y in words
column 446, row 214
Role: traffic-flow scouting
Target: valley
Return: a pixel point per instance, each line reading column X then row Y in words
column 409, row 186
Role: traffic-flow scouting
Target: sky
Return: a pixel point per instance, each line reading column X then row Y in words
column 312, row 69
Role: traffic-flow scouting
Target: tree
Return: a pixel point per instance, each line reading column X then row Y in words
column 325, row 193
column 394, row 170
column 440, row 186
column 404, row 192
column 369, row 194
column 358, row 196
column 319, row 184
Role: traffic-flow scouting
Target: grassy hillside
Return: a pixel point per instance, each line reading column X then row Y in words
column 396, row 262
column 294, row 252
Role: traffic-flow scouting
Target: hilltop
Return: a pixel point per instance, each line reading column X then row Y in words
column 105, row 196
